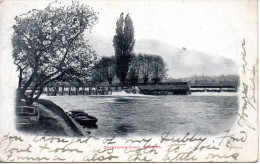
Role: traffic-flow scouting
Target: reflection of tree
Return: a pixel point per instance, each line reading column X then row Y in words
column 104, row 70
column 48, row 45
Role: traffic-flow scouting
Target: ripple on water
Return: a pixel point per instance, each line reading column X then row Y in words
column 123, row 116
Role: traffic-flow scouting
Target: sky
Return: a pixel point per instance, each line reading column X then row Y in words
column 215, row 28
column 212, row 27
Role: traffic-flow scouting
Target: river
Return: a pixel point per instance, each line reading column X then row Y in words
column 130, row 115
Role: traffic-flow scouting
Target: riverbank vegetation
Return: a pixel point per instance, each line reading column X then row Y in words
column 143, row 68
column 49, row 46
column 126, row 66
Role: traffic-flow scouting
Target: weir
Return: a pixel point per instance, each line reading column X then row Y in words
column 169, row 88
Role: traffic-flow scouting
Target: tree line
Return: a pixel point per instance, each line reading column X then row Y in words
column 49, row 46
column 143, row 68
column 126, row 65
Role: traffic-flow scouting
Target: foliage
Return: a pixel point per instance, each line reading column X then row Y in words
column 123, row 44
column 146, row 67
column 143, row 68
column 134, row 69
column 104, row 70
column 48, row 45
column 158, row 69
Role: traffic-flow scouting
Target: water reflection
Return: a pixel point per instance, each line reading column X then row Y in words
column 124, row 129
column 122, row 116
column 91, row 126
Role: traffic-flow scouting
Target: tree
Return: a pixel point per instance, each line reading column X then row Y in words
column 104, row 70
column 158, row 70
column 152, row 67
column 146, row 67
column 134, row 69
column 123, row 44
column 48, row 45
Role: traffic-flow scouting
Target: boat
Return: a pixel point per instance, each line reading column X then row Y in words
column 82, row 118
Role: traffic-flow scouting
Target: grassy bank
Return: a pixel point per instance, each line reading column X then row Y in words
column 53, row 121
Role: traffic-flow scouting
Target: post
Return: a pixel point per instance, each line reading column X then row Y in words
column 62, row 90
column 90, row 90
column 83, row 90
column 48, row 91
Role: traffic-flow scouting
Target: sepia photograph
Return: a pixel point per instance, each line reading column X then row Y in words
column 128, row 81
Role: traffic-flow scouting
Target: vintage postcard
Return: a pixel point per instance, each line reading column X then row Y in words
column 128, row 81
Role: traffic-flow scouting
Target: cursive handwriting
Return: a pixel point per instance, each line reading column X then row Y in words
column 187, row 138
column 243, row 116
column 212, row 156
column 231, row 139
column 168, row 148
column 99, row 158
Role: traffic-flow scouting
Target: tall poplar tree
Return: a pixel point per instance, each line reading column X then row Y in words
column 124, row 44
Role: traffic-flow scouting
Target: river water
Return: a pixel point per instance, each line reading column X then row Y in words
column 130, row 115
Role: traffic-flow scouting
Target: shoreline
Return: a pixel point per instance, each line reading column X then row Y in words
column 54, row 121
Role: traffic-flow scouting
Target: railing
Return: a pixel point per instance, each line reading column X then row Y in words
column 26, row 107
column 26, row 115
